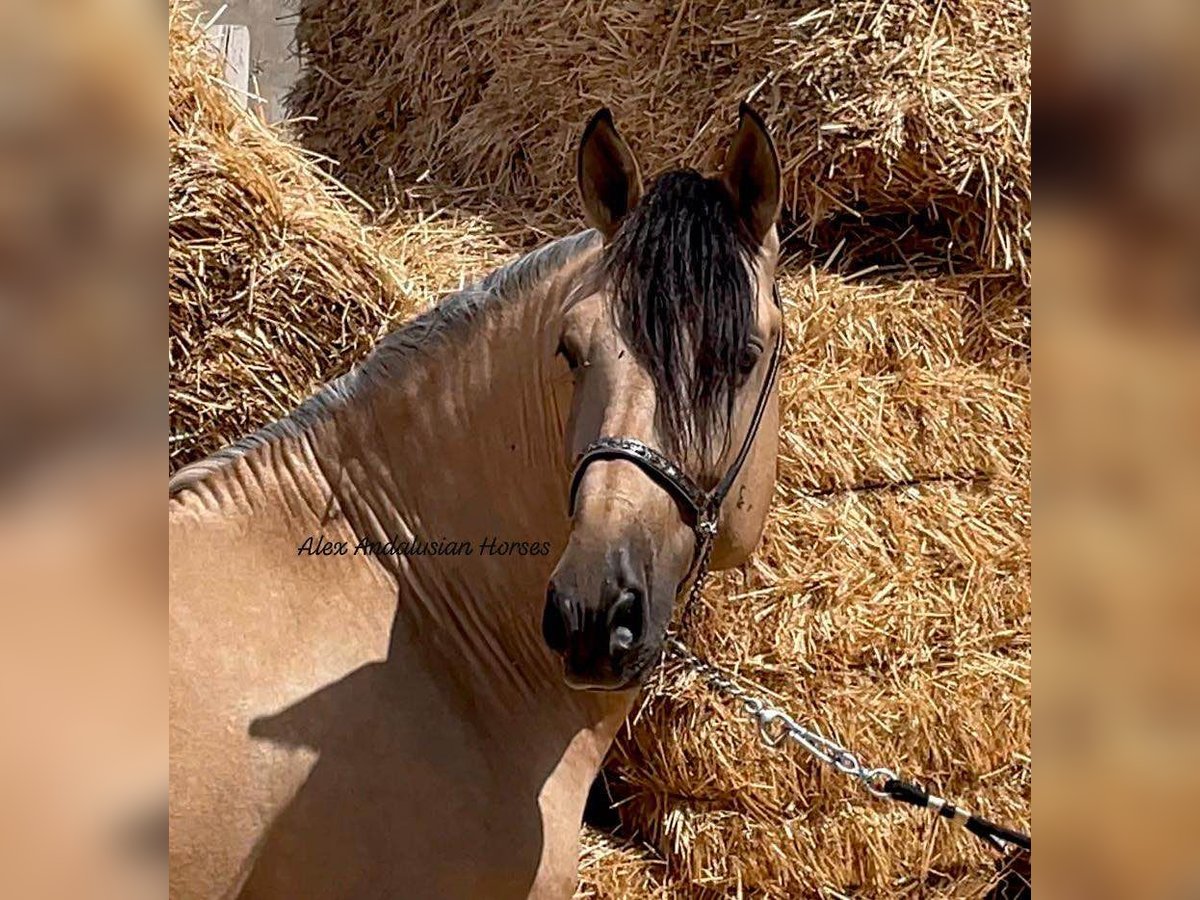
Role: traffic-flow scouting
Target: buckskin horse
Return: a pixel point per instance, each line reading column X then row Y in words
column 358, row 711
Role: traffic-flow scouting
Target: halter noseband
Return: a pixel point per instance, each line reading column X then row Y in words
column 703, row 508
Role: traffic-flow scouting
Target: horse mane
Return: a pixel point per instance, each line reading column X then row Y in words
column 502, row 285
column 683, row 300
column 681, row 297
column 387, row 359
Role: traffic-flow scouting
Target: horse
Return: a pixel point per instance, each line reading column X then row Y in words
column 407, row 619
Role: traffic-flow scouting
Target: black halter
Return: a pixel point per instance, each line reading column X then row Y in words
column 702, row 508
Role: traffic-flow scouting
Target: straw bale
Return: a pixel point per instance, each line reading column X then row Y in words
column 609, row 870
column 854, row 429
column 275, row 285
column 931, row 678
column 855, row 591
column 888, row 605
column 887, row 113
column 894, row 383
column 883, row 325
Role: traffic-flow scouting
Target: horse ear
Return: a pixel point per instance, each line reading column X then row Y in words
column 609, row 180
column 752, row 175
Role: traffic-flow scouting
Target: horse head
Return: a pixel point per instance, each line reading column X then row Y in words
column 673, row 340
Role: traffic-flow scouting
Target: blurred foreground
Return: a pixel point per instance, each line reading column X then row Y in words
column 1117, row 426
column 83, row 768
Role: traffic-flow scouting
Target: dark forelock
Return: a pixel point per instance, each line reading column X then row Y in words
column 684, row 302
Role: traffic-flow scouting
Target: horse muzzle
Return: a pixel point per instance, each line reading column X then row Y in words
column 598, row 626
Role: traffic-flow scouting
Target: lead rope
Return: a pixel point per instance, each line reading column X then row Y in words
column 707, row 535
column 775, row 726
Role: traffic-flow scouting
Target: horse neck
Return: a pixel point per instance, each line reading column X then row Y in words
column 458, row 438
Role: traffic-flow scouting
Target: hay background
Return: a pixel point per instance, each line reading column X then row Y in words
column 276, row 285
column 890, row 601
column 907, row 111
column 888, row 605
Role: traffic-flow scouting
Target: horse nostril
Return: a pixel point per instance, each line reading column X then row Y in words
column 625, row 622
column 554, row 623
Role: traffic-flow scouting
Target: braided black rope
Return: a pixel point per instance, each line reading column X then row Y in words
column 995, row 836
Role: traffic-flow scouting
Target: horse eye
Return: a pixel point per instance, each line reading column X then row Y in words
column 749, row 357
column 568, row 354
